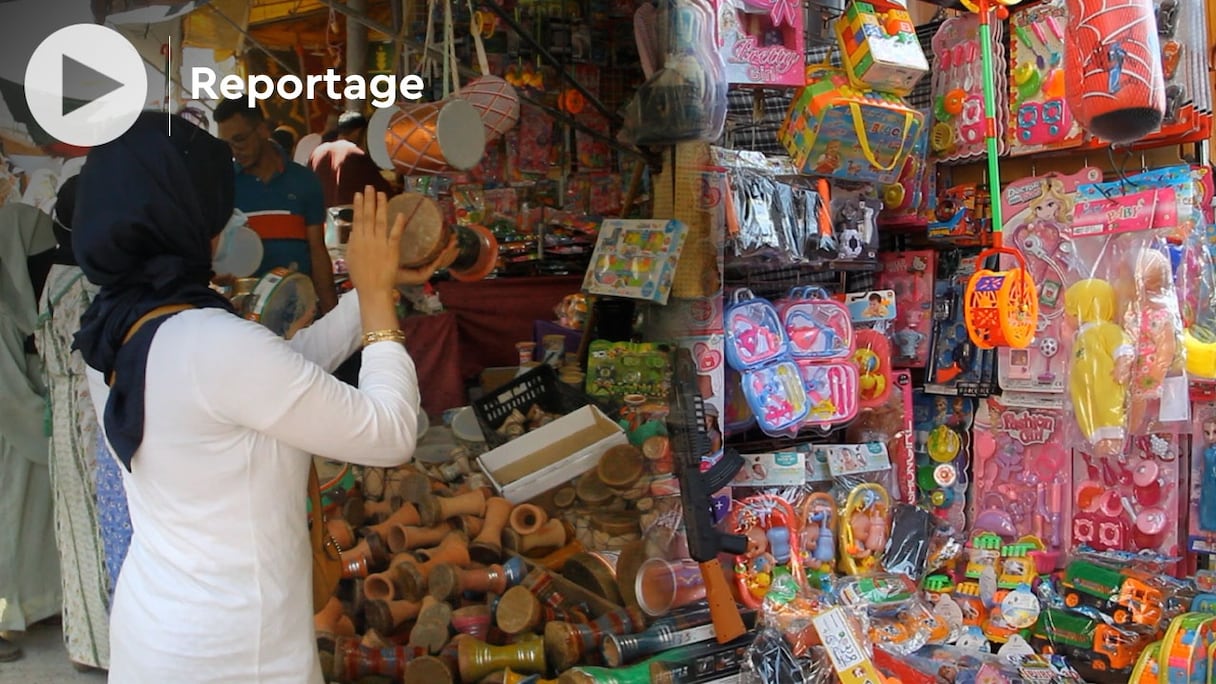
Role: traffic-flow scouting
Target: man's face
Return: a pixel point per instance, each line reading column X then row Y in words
column 247, row 140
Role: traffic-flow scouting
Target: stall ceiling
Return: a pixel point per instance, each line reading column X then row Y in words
column 306, row 23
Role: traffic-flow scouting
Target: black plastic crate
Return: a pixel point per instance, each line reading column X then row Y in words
column 538, row 386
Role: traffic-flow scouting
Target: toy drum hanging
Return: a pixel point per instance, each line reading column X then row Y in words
column 497, row 103
column 283, row 300
column 1001, row 308
column 1115, row 85
column 433, row 137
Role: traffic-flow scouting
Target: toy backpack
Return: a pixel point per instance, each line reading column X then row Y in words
column 1185, row 646
column 758, row 348
column 820, row 334
column 1148, row 667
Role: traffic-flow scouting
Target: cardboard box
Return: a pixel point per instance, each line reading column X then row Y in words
column 551, row 456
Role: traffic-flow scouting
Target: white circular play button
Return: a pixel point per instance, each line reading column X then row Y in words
column 86, row 85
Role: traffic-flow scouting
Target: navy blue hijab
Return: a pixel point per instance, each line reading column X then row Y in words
column 147, row 206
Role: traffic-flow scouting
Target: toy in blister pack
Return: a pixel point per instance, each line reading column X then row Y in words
column 961, row 217
column 955, row 364
column 891, row 424
column 910, row 275
column 1101, row 646
column 615, row 369
column 879, row 48
column 821, row 341
column 761, row 42
column 818, row 525
column 865, row 521
column 1038, row 219
column 1202, row 513
column 1130, row 501
column 636, row 258
column 872, row 357
column 943, row 449
column 757, row 347
column 1022, row 475
column 899, row 619
column 771, row 527
column 855, row 210
column 1038, row 112
column 958, row 101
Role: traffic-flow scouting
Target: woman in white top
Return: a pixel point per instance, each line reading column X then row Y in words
column 214, row 418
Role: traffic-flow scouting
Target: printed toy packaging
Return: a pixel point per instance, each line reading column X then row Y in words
column 771, row 527
column 958, row 101
column 1038, row 220
column 879, row 47
column 943, row 449
column 615, row 369
column 821, row 343
column 1131, row 501
column 636, row 258
column 757, row 346
column 761, row 41
column 910, row 276
column 1039, row 116
column 1022, row 476
column 836, row 130
column 1202, row 515
column 956, row 366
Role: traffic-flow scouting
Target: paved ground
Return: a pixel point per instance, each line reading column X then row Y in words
column 46, row 661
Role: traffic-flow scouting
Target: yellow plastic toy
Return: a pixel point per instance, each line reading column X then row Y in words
column 1102, row 358
column 1200, row 354
column 1001, row 308
column 864, row 524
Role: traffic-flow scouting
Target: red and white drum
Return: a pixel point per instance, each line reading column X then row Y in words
column 497, row 103
column 432, row 137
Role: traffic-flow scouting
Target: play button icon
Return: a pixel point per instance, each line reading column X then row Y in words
column 86, row 85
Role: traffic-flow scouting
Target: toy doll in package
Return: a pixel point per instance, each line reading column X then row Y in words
column 1038, row 223
column 771, row 527
column 910, row 275
column 761, row 41
column 1203, row 480
column 1127, row 371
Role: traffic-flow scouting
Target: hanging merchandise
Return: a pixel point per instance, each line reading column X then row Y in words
column 879, row 48
column 770, row 525
column 1127, row 372
column 1201, row 512
column 834, row 129
column 758, row 348
column 684, row 101
column 904, row 201
column 943, row 451
column 636, row 258
column 1116, row 88
column 958, row 88
column 854, row 209
column 956, row 364
column 910, row 276
column 1039, row 115
column 821, row 342
column 761, row 41
column 1023, row 480
column 1038, row 220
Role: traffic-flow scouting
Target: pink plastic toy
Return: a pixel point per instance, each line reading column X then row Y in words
column 910, row 275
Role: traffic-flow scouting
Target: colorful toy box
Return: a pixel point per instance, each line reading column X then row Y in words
column 879, row 47
column 837, row 130
column 761, row 42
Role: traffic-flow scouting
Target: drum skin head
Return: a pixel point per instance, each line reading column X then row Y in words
column 425, row 234
column 305, row 147
column 462, row 135
column 377, row 126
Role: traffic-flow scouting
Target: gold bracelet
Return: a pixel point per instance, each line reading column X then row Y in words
column 383, row 336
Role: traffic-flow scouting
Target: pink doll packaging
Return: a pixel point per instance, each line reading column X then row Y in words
column 1023, row 482
column 761, row 41
column 910, row 275
column 1130, row 501
column 1038, row 219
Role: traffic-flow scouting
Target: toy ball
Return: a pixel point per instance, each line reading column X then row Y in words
column 1116, row 85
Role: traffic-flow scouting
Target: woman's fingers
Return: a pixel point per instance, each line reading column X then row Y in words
column 356, row 222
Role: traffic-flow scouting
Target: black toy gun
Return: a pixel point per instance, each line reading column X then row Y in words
column 689, row 443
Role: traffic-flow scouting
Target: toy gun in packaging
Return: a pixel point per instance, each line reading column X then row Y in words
column 690, row 443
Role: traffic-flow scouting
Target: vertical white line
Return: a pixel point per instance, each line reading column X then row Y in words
column 169, row 85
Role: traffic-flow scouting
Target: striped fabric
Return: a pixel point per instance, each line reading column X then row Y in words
column 278, row 225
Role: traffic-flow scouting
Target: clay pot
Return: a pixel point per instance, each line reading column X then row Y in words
column 408, row 537
column 387, row 616
column 469, row 524
column 326, row 618
column 437, row 669
column 431, row 630
column 412, row 576
column 412, row 486
column 342, row 533
column 477, row 659
column 448, row 582
column 486, row 546
column 434, row 509
column 528, row 519
column 551, row 535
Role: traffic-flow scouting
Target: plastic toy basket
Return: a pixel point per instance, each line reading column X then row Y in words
column 538, row 386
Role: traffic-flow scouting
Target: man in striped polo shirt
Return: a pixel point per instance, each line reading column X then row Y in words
column 283, row 200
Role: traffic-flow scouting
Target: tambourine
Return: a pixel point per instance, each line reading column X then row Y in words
column 1001, row 308
column 283, row 300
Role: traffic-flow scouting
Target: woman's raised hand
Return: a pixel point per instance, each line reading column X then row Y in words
column 373, row 254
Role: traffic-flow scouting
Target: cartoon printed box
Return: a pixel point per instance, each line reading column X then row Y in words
column 761, row 41
column 879, row 47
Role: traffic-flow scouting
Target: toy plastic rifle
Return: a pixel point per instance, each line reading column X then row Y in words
column 689, row 444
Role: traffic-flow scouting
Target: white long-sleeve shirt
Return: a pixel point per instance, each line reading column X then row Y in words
column 216, row 586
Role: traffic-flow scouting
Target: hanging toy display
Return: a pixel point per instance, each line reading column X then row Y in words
column 1115, row 85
